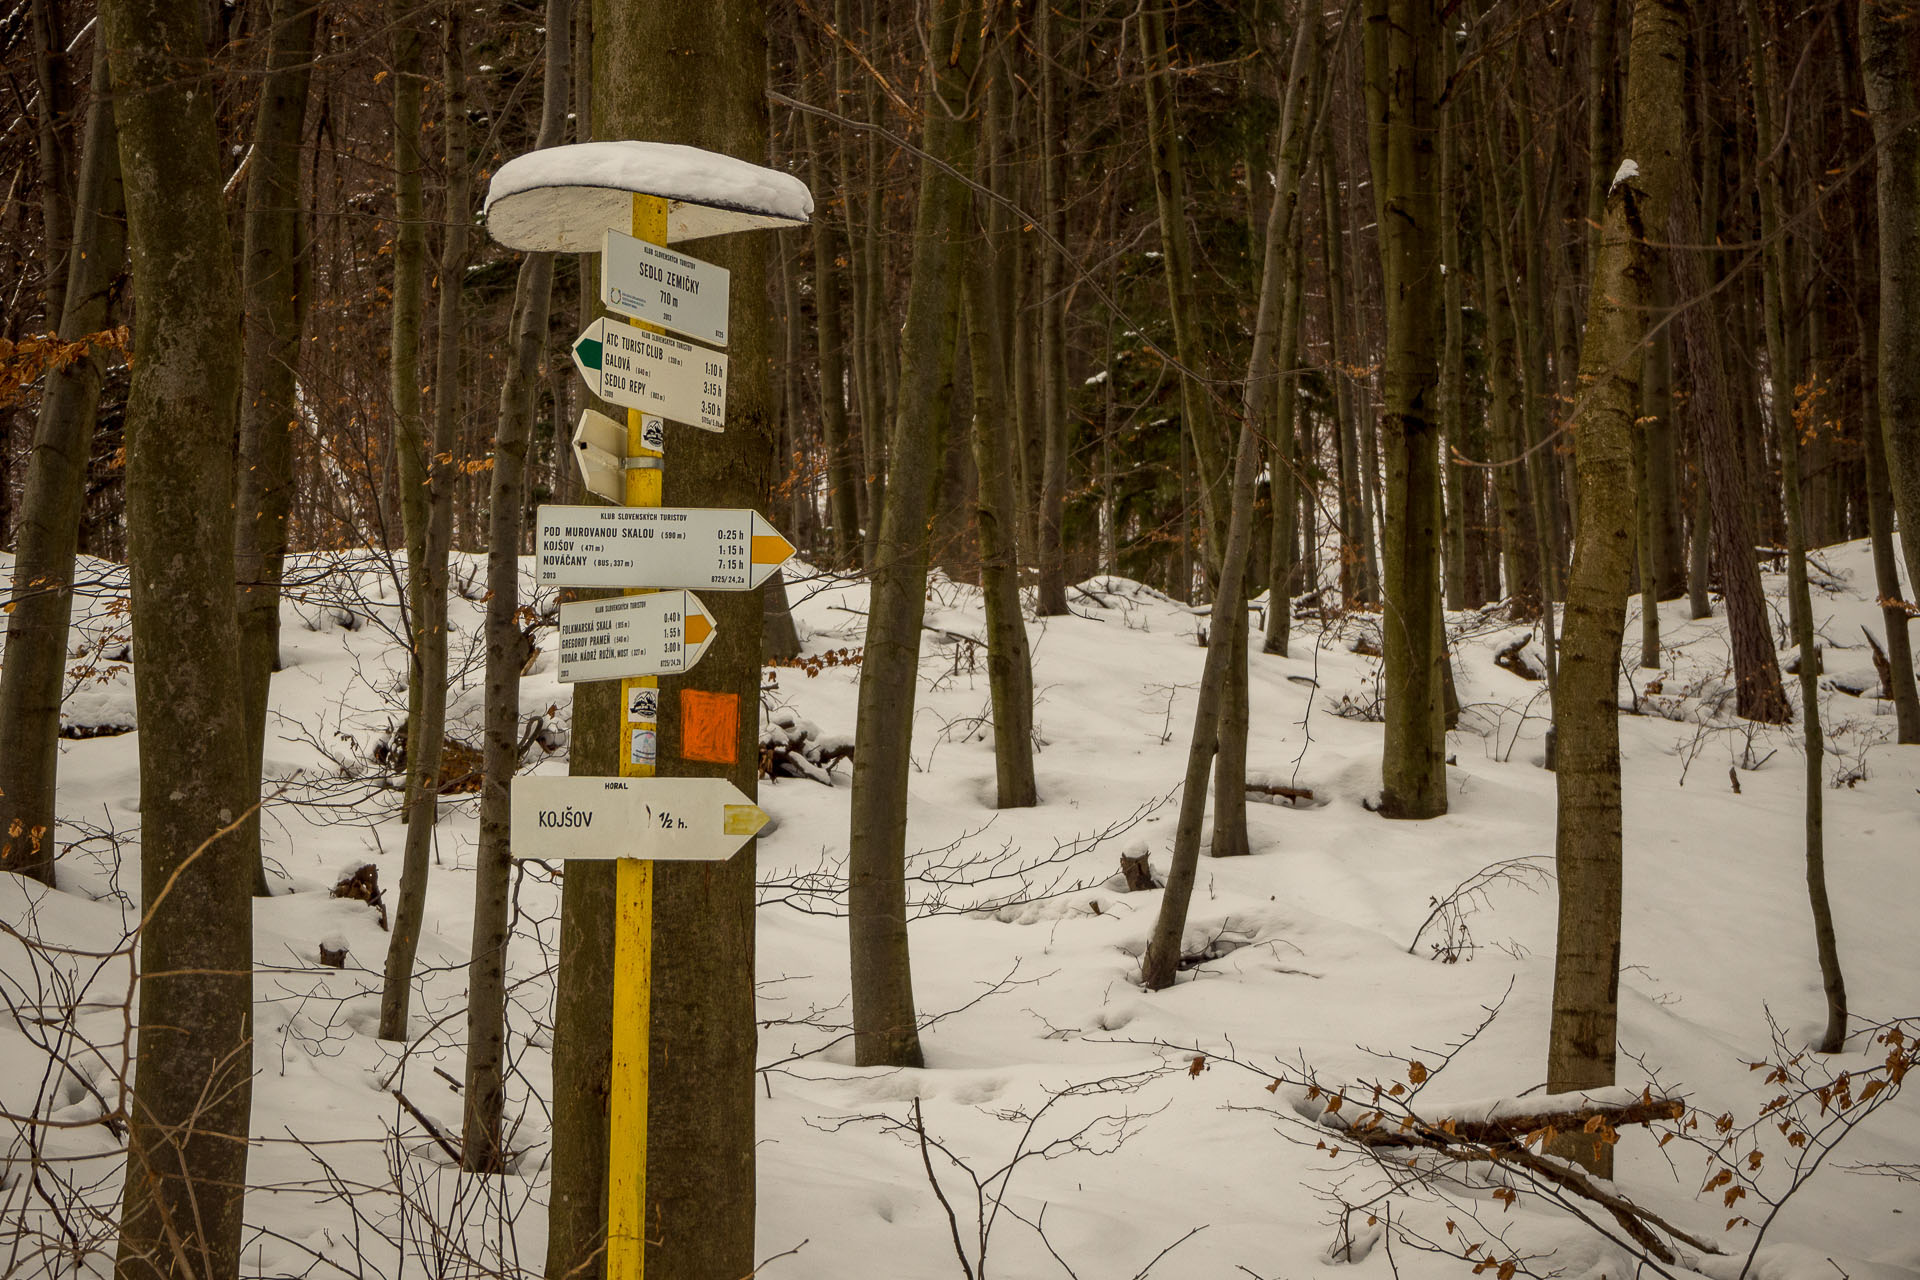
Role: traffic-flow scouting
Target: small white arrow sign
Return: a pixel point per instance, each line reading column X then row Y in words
column 653, row 373
column 653, row 283
column 660, row 634
column 600, row 451
column 664, row 819
column 705, row 548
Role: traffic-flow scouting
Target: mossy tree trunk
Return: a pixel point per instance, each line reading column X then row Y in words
column 41, row 605
column 273, row 279
column 1587, row 840
column 885, row 1029
column 1890, row 68
column 426, row 588
column 187, row 1142
column 1009, row 659
column 481, row 1147
column 1403, row 80
column 1783, row 379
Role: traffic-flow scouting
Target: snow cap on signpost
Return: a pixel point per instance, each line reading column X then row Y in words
column 562, row 199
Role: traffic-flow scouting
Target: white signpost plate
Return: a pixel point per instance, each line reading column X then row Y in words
column 664, row 819
column 704, row 548
column 653, row 283
column 651, row 372
column 660, row 634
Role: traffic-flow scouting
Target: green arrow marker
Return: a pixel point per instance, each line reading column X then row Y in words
column 587, row 350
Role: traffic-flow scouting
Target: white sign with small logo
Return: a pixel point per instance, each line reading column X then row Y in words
column 653, row 283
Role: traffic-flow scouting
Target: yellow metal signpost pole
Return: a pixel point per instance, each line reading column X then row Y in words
column 633, row 924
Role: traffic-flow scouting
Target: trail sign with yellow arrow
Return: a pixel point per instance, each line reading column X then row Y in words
column 660, row 634
column 705, row 548
column 664, row 819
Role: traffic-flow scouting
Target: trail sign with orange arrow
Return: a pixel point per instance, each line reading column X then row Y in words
column 660, row 634
column 704, row 548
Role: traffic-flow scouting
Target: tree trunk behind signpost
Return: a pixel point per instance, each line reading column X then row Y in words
column 694, row 73
column 187, row 1144
column 843, row 470
column 583, row 1017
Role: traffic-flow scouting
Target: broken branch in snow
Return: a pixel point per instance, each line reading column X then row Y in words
column 1503, row 1130
column 433, row 1130
column 1257, row 786
column 1498, row 1138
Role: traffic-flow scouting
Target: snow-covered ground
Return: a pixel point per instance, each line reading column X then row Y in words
column 1328, row 959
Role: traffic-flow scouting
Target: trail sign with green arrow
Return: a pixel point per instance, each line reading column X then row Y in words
column 651, row 372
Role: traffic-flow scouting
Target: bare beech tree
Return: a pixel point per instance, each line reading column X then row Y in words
column 187, row 1144
column 1580, row 1052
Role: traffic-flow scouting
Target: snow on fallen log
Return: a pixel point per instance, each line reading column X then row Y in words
column 1506, row 1121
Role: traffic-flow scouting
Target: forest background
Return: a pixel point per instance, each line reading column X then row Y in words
column 1392, row 308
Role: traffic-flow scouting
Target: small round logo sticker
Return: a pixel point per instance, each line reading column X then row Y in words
column 643, row 751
